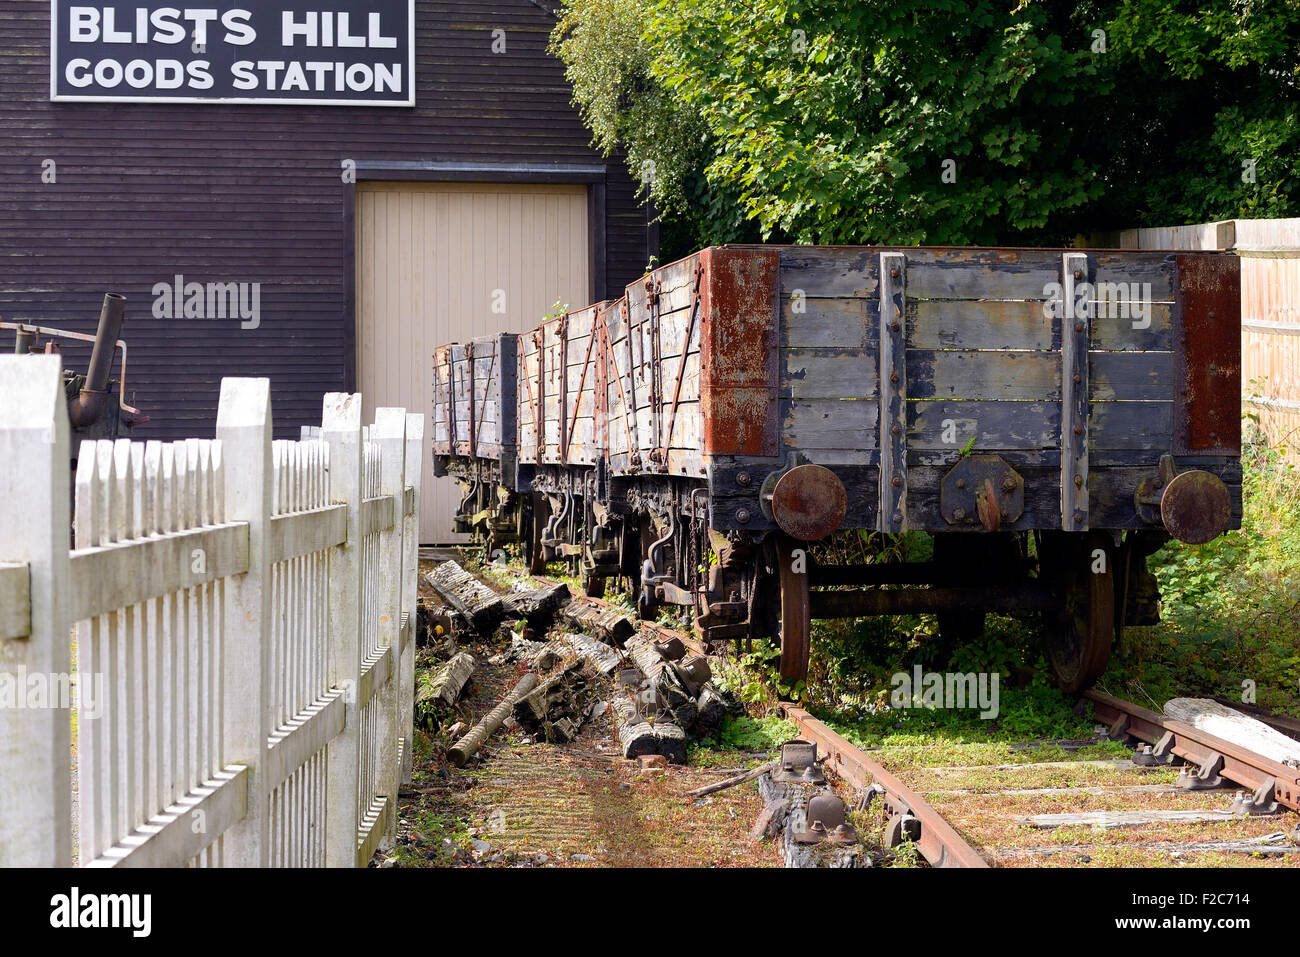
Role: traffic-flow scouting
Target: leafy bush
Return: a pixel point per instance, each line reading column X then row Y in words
column 1231, row 607
column 824, row 121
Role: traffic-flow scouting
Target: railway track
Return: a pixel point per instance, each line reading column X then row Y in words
column 1182, row 794
column 1195, row 811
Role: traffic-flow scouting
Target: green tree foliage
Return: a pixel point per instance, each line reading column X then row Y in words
column 608, row 58
column 1214, row 128
column 608, row 64
column 839, row 120
column 937, row 121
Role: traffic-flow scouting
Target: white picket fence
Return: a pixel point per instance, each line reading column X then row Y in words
column 245, row 610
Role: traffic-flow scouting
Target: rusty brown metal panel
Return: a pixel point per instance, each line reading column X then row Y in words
column 1207, row 354
column 738, row 343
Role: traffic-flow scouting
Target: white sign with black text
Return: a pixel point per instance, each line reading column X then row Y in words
column 279, row 52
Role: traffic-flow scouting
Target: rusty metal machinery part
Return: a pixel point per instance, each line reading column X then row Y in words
column 937, row 841
column 798, row 764
column 982, row 490
column 1196, row 507
column 809, row 502
column 823, row 819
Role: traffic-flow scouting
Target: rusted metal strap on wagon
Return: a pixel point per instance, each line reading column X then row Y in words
column 1074, row 394
column 893, row 393
column 629, row 397
column 539, row 426
column 469, row 372
column 562, row 387
column 939, row 843
column 1207, row 355
column 487, row 384
column 666, row 440
column 654, row 288
column 582, row 381
column 1199, row 747
column 450, row 407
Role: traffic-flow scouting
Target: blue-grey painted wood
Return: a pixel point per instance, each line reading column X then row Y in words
column 994, row 426
column 1130, row 425
column 1131, row 375
column 989, row 375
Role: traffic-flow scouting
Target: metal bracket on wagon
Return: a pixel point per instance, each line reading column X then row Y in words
column 982, row 490
column 1194, row 506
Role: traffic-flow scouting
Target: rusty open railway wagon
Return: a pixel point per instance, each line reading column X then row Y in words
column 1049, row 416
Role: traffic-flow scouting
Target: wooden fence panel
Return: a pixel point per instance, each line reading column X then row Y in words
column 244, row 679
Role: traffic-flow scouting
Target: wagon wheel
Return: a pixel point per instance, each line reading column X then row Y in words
column 1079, row 635
column 540, row 512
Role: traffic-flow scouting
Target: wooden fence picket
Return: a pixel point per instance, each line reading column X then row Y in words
column 244, row 651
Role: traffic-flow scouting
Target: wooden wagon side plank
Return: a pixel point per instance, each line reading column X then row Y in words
column 993, row 426
column 987, row 375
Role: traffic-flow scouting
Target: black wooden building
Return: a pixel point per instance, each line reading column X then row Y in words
column 369, row 233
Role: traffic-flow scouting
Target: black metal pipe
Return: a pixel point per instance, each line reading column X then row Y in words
column 915, row 601
column 904, row 573
column 110, row 327
column 94, row 394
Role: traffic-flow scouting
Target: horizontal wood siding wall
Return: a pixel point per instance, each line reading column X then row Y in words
column 254, row 194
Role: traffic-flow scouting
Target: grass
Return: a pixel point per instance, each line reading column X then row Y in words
column 752, row 734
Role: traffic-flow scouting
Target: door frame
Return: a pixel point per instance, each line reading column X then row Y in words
column 590, row 175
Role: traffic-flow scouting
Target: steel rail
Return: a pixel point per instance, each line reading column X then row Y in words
column 939, row 843
column 1198, row 747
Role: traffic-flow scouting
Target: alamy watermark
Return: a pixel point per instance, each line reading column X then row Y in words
column 947, row 690
column 213, row 300
column 1102, row 300
column 39, row 690
column 133, row 912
